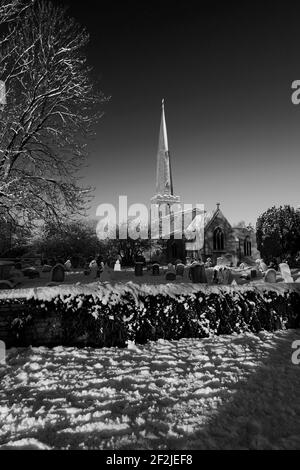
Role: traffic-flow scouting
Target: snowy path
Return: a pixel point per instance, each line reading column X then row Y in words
column 232, row 392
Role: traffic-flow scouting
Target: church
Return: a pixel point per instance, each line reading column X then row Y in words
column 218, row 238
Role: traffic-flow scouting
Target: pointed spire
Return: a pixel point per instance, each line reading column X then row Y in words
column 164, row 183
column 163, row 137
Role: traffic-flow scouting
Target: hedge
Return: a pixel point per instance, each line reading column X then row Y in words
column 101, row 315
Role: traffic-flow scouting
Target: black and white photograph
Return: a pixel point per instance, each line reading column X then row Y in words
column 149, row 228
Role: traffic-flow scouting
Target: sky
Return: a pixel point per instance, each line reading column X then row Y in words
column 225, row 72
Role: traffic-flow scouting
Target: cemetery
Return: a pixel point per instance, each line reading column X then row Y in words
column 181, row 335
column 109, row 306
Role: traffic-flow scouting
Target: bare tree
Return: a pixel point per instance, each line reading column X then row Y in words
column 51, row 108
column 10, row 9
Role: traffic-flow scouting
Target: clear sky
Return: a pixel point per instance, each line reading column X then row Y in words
column 225, row 73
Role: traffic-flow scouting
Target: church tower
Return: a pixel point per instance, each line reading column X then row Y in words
column 164, row 182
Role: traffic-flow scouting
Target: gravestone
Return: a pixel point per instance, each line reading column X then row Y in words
column 93, row 266
column 171, row 273
column 234, row 283
column 286, row 272
column 117, row 266
column 31, row 273
column 170, row 276
column 180, row 269
column 227, row 276
column 197, row 273
column 58, row 273
column 253, row 273
column 68, row 265
column 270, row 276
column 210, row 275
column 261, row 265
column 6, row 285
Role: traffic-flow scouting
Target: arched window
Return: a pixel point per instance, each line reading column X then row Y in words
column 218, row 239
column 247, row 246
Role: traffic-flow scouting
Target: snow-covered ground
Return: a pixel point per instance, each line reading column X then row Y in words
column 229, row 392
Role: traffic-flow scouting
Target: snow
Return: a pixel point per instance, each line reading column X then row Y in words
column 114, row 293
column 228, row 392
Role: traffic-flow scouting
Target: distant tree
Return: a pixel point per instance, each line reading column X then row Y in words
column 51, row 107
column 242, row 224
column 128, row 248
column 75, row 239
column 278, row 232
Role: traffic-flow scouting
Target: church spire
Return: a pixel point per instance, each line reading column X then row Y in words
column 164, row 182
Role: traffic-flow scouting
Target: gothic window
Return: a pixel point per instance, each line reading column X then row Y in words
column 247, row 246
column 218, row 239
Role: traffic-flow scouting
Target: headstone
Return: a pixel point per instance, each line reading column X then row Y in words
column 197, row 273
column 180, row 269
column 286, row 272
column 31, row 273
column 6, row 285
column 93, row 266
column 270, row 276
column 68, row 265
column 253, row 273
column 227, row 276
column 58, row 273
column 117, row 266
column 262, row 265
column 170, row 276
column 234, row 283
column 210, row 275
